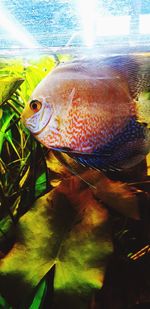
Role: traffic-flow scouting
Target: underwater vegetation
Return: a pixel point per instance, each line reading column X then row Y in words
column 55, row 239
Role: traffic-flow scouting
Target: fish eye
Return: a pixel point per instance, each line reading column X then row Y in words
column 35, row 105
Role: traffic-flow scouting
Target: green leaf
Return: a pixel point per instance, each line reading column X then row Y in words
column 39, row 295
column 34, row 73
column 8, row 85
column 40, row 184
column 67, row 228
column 5, row 122
column 4, row 304
column 9, row 139
column 45, row 64
column 7, row 231
column 12, row 67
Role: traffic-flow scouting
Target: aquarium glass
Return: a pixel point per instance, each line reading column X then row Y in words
column 54, row 24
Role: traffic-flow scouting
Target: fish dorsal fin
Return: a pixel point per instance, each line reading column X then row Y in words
column 135, row 69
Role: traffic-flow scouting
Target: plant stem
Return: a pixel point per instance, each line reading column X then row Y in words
column 13, row 107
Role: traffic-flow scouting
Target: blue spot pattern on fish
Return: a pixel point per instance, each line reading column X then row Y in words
column 119, row 150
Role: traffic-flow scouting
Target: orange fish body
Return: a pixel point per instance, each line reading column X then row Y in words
column 87, row 109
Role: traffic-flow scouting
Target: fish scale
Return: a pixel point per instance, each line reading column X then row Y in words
column 92, row 134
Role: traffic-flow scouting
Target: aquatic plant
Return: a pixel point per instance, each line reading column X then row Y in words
column 20, row 154
column 53, row 243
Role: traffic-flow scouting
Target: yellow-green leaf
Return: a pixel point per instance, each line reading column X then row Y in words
column 8, row 85
column 67, row 228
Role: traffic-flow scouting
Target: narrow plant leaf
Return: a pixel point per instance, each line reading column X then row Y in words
column 40, row 184
column 45, row 64
column 37, row 301
column 148, row 164
column 8, row 85
column 4, row 124
column 67, row 228
column 9, row 139
column 43, row 294
column 1, row 113
column 3, row 167
column 4, row 304
column 24, row 177
column 7, row 117
column 5, row 226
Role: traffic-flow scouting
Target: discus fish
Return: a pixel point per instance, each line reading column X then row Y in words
column 91, row 109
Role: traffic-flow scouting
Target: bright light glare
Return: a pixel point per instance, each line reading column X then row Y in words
column 87, row 10
column 95, row 22
column 16, row 30
column 145, row 24
column 113, row 25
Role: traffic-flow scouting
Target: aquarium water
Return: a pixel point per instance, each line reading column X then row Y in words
column 74, row 104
